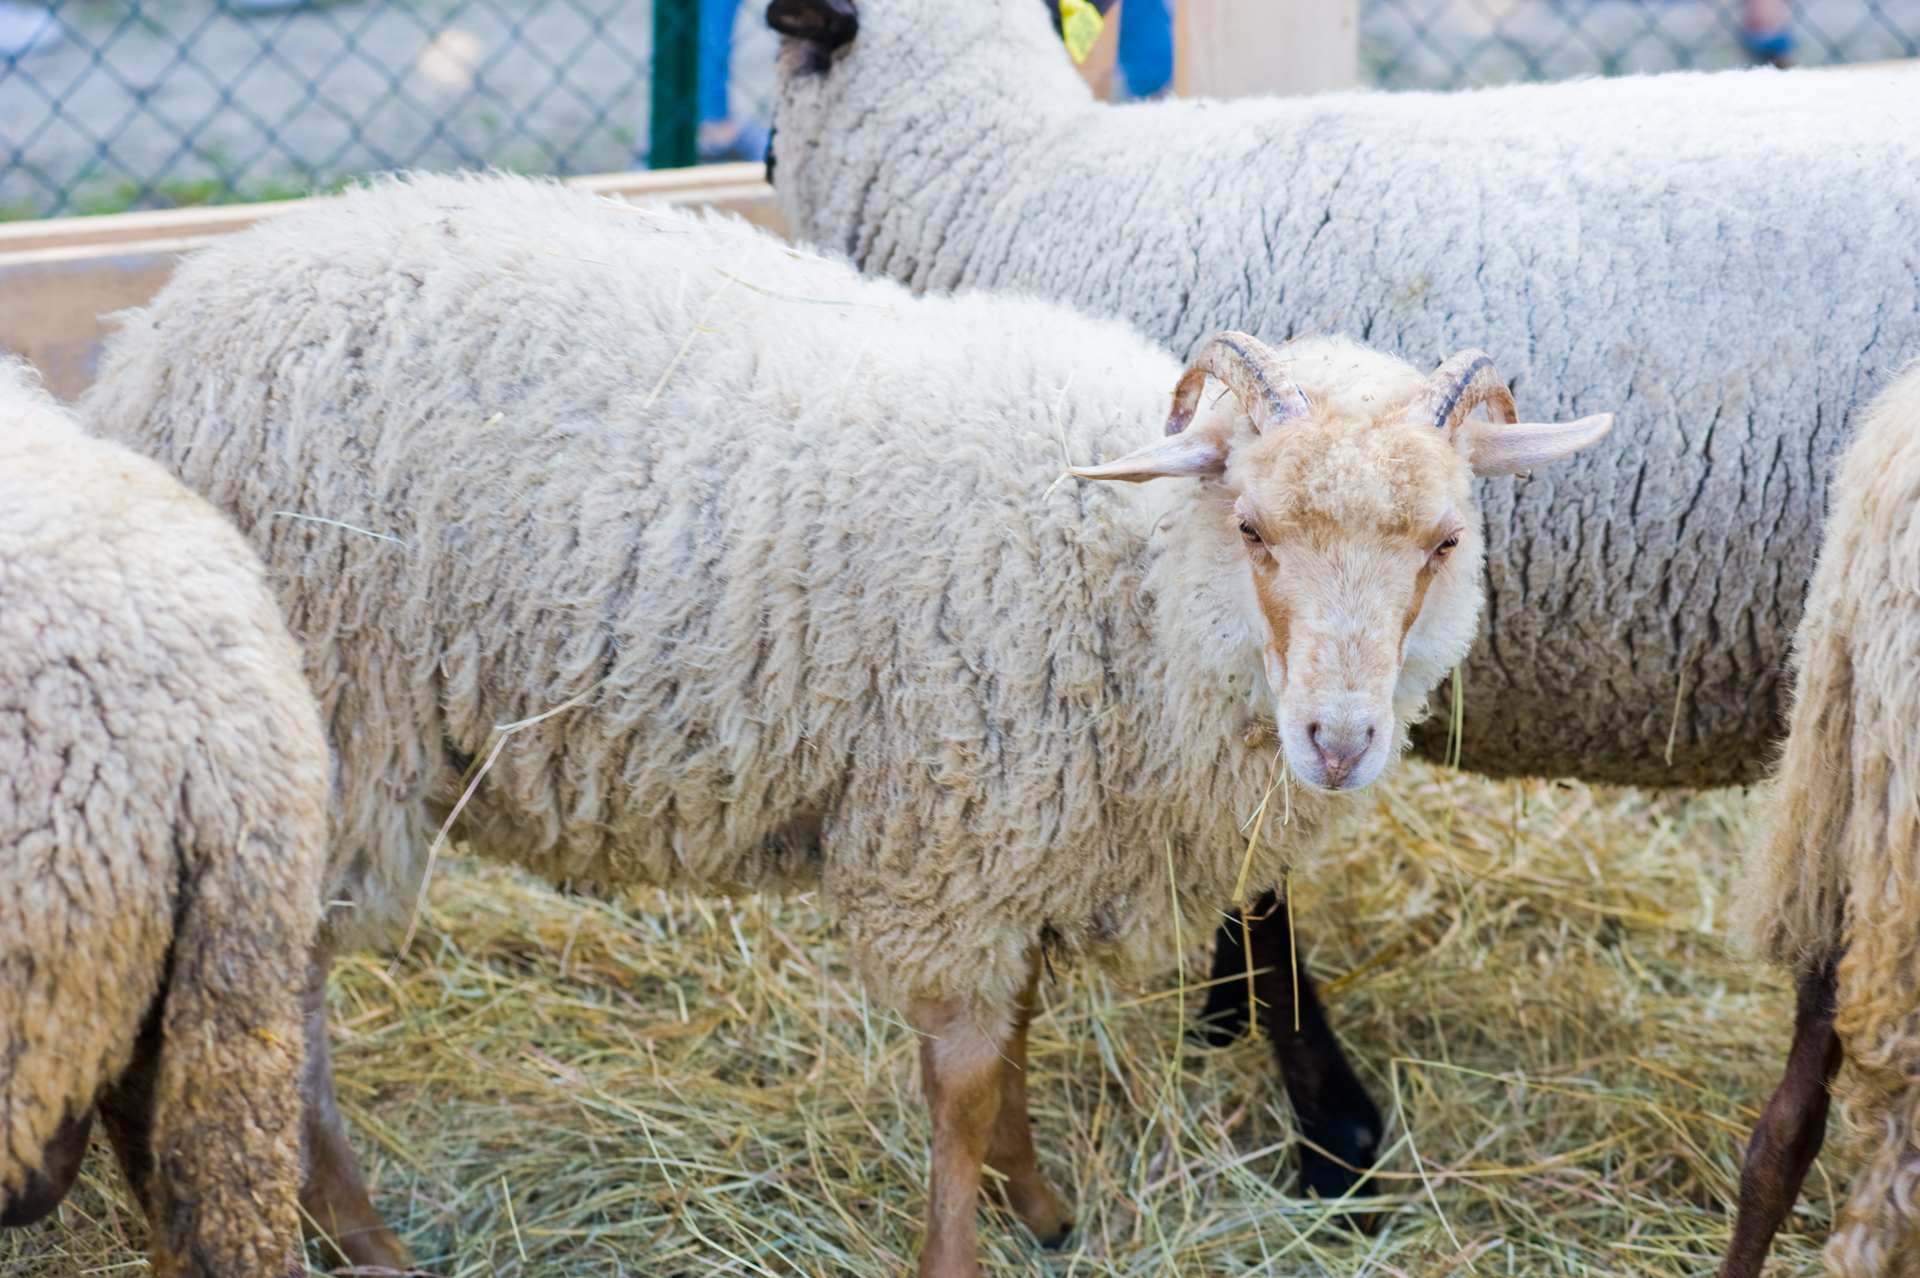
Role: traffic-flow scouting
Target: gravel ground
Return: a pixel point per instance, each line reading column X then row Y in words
column 146, row 103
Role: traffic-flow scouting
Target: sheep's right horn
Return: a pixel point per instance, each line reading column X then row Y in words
column 1251, row 370
column 1464, row 381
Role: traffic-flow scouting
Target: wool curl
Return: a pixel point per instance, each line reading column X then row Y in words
column 162, row 844
column 777, row 565
column 1835, row 874
column 1727, row 261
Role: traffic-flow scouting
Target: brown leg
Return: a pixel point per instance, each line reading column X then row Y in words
column 960, row 1070
column 1025, row 1192
column 334, row 1199
column 1789, row 1133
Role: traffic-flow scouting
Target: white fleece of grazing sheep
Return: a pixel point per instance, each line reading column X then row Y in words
column 1731, row 262
column 788, row 530
column 163, row 788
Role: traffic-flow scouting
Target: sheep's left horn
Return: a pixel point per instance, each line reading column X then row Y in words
column 1252, row 370
column 1462, row 383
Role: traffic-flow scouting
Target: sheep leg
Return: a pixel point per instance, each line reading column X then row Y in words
column 334, row 1200
column 1789, row 1133
column 126, row 1111
column 1024, row 1190
column 1338, row 1120
column 961, row 1072
column 1224, row 1019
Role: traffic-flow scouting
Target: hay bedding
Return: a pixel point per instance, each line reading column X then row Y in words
column 1533, row 978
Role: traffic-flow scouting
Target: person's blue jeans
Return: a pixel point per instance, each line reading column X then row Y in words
column 1146, row 46
column 716, row 49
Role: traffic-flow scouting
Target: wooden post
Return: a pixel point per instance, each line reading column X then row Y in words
column 1238, row 48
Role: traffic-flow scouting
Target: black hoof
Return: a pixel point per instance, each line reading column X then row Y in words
column 1323, row 1178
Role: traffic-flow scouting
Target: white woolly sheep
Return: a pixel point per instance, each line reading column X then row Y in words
column 1730, row 261
column 1830, row 891
column 162, row 844
column 790, row 554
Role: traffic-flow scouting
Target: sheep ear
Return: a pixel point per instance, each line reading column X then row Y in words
column 1511, row 448
column 828, row 23
column 1193, row 452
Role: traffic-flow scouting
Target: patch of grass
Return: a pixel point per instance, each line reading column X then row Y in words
column 1532, row 978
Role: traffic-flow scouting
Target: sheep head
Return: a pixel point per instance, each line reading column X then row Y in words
column 1349, row 529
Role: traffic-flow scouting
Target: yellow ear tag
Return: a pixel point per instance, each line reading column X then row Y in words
column 1080, row 24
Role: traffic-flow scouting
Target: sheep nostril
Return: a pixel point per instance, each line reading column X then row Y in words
column 1369, row 736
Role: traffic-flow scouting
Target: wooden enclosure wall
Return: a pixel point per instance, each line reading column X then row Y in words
column 60, row 278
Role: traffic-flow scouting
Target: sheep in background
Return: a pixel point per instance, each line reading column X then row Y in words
column 162, row 839
column 777, row 568
column 1730, row 261
column 1831, row 890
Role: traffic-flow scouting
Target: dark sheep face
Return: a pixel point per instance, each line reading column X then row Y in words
column 820, row 25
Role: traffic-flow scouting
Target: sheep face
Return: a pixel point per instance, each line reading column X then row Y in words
column 1360, row 542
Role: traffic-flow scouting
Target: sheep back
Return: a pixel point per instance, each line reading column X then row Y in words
column 161, row 837
column 774, row 555
column 1730, row 263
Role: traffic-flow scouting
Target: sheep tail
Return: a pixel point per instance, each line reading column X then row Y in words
column 225, row 1105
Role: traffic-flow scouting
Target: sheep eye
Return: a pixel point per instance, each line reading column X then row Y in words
column 1247, row 531
column 1447, row 545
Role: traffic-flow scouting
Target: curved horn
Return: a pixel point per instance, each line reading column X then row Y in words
column 1462, row 383
column 1251, row 370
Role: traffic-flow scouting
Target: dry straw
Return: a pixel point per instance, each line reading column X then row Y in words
column 1533, row 979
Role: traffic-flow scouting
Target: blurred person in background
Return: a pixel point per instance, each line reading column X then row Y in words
column 1146, row 46
column 722, row 135
column 1765, row 33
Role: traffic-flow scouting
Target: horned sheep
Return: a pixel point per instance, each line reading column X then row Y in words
column 162, row 845
column 1729, row 260
column 1830, row 892
column 1640, row 243
column 779, row 574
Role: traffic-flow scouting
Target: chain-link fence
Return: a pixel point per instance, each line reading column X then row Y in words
column 112, row 104
column 1425, row 44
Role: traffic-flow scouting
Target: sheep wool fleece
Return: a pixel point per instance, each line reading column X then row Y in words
column 777, row 543
column 163, row 791
column 1730, row 263
column 1836, row 873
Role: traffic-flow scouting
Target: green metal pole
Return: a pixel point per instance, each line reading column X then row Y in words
column 675, row 121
